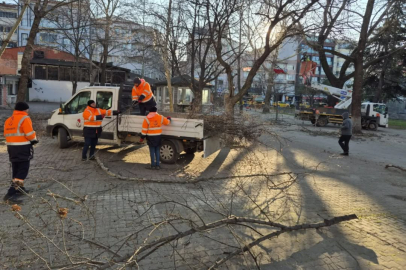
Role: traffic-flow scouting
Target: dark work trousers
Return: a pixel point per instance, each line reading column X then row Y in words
column 144, row 107
column 89, row 142
column 154, row 152
column 20, row 169
column 344, row 142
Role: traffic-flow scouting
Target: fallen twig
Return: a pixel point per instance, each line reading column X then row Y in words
column 394, row 166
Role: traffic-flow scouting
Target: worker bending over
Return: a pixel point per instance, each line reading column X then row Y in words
column 142, row 94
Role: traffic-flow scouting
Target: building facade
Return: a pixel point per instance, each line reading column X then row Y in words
column 8, row 18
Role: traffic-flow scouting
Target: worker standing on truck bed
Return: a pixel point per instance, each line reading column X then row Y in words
column 346, row 133
column 20, row 137
column 93, row 118
column 152, row 129
column 142, row 94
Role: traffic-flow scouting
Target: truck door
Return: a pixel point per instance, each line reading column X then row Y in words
column 105, row 101
column 72, row 113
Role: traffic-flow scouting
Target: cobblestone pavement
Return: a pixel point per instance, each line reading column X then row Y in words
column 108, row 218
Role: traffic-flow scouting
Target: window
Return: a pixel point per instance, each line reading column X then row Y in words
column 329, row 61
column 40, row 72
column 78, row 104
column 64, row 73
column 104, row 100
column 47, row 38
column 5, row 29
column 5, row 14
column 290, row 77
column 220, row 82
column 185, row 96
column 24, row 38
column 328, row 48
column 205, row 96
column 158, row 95
column 166, row 95
column 10, row 90
column 53, row 73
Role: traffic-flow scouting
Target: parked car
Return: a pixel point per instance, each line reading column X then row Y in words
column 281, row 104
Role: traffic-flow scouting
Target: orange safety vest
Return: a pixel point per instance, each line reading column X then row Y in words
column 90, row 113
column 18, row 129
column 152, row 125
column 144, row 89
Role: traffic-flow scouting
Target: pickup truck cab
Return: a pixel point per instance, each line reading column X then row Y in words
column 181, row 135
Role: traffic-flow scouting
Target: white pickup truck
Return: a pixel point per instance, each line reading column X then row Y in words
column 182, row 135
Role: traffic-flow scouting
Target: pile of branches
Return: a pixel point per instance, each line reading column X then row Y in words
column 237, row 130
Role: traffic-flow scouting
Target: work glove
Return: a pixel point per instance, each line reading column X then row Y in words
column 103, row 115
column 99, row 117
column 141, row 98
column 34, row 142
column 135, row 102
column 141, row 140
column 169, row 118
column 116, row 112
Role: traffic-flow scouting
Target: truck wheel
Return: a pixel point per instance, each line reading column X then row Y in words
column 62, row 138
column 168, row 152
column 372, row 126
column 322, row 122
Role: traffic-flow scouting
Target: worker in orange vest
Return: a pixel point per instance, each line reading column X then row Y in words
column 152, row 130
column 92, row 130
column 20, row 137
column 142, row 94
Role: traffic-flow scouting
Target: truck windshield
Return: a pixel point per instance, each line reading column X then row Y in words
column 380, row 108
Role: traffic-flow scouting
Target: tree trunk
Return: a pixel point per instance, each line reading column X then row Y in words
column 75, row 81
column 357, row 96
column 25, row 62
column 359, row 71
column 267, row 100
column 105, row 53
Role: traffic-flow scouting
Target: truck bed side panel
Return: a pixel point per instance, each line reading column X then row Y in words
column 179, row 127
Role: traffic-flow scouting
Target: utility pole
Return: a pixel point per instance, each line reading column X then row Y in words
column 239, row 62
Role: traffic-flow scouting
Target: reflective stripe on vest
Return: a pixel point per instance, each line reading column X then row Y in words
column 157, row 126
column 91, row 121
column 19, row 138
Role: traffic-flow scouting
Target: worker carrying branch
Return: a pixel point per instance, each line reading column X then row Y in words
column 20, row 138
column 142, row 94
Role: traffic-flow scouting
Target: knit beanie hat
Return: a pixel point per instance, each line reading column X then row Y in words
column 90, row 102
column 137, row 81
column 153, row 109
column 21, row 106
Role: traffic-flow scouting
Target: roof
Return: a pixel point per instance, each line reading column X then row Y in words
column 149, row 80
column 183, row 80
column 57, row 62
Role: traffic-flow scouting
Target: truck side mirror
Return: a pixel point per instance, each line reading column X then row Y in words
column 61, row 108
column 386, row 110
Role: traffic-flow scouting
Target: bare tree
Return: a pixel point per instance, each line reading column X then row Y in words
column 73, row 22
column 41, row 9
column 222, row 18
column 338, row 18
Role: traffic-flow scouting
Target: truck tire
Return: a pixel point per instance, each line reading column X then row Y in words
column 168, row 152
column 372, row 126
column 62, row 138
column 322, row 122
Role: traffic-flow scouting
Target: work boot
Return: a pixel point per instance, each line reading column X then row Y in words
column 157, row 167
column 22, row 190
column 84, row 159
column 92, row 158
column 344, row 154
column 150, row 167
